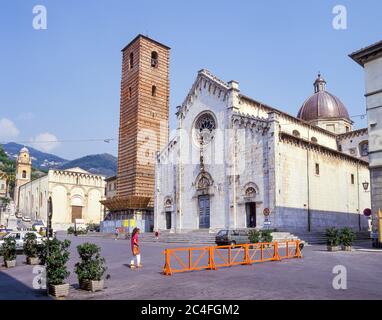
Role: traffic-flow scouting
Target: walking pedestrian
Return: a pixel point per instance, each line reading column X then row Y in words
column 116, row 233
column 135, row 249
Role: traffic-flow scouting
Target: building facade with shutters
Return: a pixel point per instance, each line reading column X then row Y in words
column 234, row 158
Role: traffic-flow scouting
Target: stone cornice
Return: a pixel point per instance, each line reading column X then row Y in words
column 288, row 116
column 283, row 136
column 355, row 133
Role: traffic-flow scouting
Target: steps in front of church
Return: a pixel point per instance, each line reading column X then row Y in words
column 201, row 237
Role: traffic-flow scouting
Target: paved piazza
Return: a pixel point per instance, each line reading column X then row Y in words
column 307, row 278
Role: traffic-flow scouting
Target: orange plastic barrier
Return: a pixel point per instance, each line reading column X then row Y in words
column 213, row 257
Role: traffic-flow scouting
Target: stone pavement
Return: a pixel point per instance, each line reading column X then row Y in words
column 307, row 278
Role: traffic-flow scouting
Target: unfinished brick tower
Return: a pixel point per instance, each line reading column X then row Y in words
column 143, row 130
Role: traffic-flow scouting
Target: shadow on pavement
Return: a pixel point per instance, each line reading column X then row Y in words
column 13, row 289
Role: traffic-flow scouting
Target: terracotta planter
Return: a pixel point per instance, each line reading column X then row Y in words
column 347, row 248
column 33, row 260
column 60, row 290
column 91, row 285
column 333, row 248
column 10, row 263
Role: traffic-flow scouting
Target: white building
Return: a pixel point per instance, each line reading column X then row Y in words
column 370, row 58
column 3, row 185
column 75, row 193
column 234, row 158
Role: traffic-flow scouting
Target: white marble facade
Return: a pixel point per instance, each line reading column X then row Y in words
column 232, row 157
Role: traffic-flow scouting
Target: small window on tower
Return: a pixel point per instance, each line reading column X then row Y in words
column 131, row 62
column 154, row 59
column 296, row 133
column 317, row 169
column 129, row 92
column 352, row 178
column 153, row 91
column 24, row 174
column 314, row 139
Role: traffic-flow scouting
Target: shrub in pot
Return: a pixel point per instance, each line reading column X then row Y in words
column 70, row 230
column 347, row 238
column 333, row 239
column 254, row 236
column 56, row 267
column 42, row 252
column 9, row 252
column 30, row 248
column 91, row 268
column 266, row 236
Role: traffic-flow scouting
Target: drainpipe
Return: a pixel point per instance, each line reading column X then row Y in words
column 359, row 213
column 307, row 178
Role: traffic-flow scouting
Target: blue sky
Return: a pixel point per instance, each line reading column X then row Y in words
column 64, row 82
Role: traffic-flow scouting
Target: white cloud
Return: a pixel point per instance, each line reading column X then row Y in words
column 8, row 130
column 45, row 142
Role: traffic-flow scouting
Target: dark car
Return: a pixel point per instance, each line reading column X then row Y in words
column 231, row 237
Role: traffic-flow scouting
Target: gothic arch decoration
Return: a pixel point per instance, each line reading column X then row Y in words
column 168, row 201
column 204, row 127
column 203, row 181
column 250, row 190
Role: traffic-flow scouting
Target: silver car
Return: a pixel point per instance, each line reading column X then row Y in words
column 19, row 236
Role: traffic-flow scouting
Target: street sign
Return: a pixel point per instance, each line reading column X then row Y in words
column 266, row 212
column 267, row 223
column 367, row 212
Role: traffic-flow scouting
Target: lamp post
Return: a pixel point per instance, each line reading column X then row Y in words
column 48, row 227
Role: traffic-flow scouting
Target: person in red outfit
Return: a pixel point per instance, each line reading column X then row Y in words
column 135, row 249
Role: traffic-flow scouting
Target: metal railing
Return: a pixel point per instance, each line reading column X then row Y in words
column 213, row 257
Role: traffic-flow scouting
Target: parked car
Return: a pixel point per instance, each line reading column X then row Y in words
column 231, row 237
column 19, row 236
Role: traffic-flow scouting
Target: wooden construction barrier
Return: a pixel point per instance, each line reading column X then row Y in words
column 213, row 257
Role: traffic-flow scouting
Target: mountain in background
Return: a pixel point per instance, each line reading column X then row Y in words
column 103, row 164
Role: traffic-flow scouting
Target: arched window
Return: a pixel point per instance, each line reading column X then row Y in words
column 131, row 60
column 154, row 59
column 24, row 174
column 205, row 126
column 296, row 133
column 364, row 148
column 313, row 139
column 153, row 91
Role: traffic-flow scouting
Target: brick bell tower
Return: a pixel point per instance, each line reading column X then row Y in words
column 144, row 128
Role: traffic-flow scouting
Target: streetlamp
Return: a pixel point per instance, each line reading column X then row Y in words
column 365, row 185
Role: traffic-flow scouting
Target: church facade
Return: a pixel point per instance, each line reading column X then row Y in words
column 76, row 194
column 236, row 162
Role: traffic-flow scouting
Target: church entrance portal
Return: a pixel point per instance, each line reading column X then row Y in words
column 76, row 213
column 204, row 212
column 168, row 220
column 250, row 208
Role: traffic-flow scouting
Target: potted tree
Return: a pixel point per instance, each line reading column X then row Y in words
column 347, row 238
column 91, row 268
column 266, row 236
column 332, row 239
column 31, row 249
column 9, row 252
column 56, row 259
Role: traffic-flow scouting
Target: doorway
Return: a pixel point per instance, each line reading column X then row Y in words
column 76, row 213
column 168, row 220
column 250, row 208
column 204, row 212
